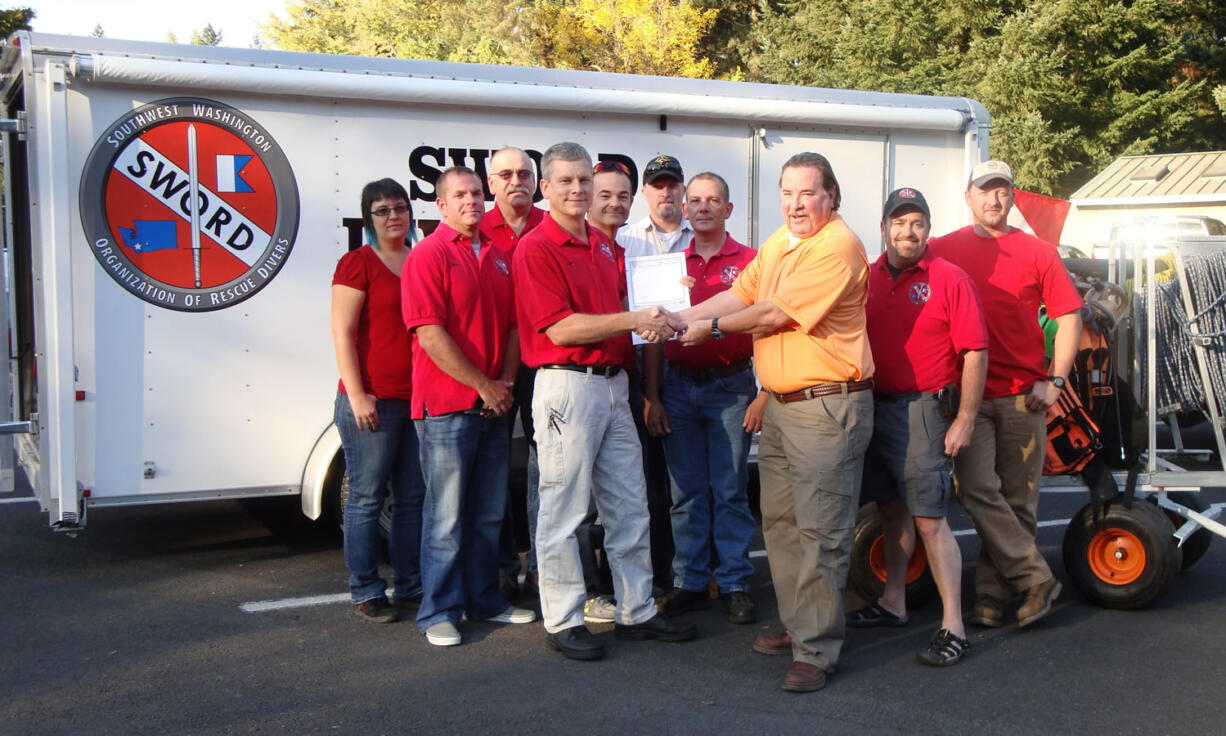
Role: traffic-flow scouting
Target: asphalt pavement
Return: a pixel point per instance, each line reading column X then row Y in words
column 139, row 626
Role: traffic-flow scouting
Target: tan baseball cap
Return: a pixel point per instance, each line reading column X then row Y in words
column 986, row 171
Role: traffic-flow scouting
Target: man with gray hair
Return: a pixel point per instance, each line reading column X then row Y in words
column 802, row 298
column 575, row 332
column 512, row 181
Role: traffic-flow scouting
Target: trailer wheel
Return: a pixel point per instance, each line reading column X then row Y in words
column 867, row 573
column 1195, row 546
column 338, row 494
column 1125, row 559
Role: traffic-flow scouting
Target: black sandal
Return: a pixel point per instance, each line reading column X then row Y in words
column 875, row 615
column 944, row 649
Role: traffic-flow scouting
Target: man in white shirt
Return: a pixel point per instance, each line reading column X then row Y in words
column 664, row 229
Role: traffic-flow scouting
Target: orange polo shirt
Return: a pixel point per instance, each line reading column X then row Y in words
column 822, row 284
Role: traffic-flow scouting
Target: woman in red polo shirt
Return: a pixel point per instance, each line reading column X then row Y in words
column 372, row 412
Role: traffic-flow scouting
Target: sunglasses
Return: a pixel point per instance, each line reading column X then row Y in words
column 615, row 166
column 399, row 209
column 506, row 174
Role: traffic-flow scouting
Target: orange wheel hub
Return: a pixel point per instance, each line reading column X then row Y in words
column 915, row 566
column 1116, row 556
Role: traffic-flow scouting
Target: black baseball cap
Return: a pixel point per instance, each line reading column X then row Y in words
column 905, row 197
column 663, row 166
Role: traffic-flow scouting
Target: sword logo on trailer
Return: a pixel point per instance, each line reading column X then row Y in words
column 189, row 204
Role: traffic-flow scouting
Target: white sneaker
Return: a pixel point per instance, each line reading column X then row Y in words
column 599, row 610
column 443, row 634
column 513, row 615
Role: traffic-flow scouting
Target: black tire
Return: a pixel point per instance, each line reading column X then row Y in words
column 1195, row 546
column 1125, row 559
column 337, row 494
column 867, row 573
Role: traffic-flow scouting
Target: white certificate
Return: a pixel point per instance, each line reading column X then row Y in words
column 655, row 281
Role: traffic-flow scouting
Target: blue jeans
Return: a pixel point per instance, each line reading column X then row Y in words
column 464, row 459
column 708, row 453
column 375, row 460
column 508, row 546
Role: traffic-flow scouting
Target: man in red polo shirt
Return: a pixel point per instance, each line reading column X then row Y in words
column 512, row 181
column 923, row 316
column 569, row 301
column 458, row 302
column 705, row 409
column 998, row 475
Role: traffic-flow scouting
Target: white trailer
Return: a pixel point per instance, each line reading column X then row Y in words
column 165, row 351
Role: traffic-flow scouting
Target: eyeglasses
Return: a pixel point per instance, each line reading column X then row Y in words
column 616, row 166
column 506, row 174
column 382, row 212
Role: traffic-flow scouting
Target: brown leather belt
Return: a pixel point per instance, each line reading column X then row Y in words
column 608, row 371
column 824, row 389
column 703, row 374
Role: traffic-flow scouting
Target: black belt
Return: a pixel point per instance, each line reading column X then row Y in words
column 703, row 374
column 899, row 398
column 824, row 389
column 608, row 371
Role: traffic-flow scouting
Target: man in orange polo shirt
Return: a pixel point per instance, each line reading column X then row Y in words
column 803, row 300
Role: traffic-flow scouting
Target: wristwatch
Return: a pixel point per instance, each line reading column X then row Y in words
column 716, row 333
column 1056, row 381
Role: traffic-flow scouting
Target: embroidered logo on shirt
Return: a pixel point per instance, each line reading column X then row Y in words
column 919, row 293
column 607, row 250
column 501, row 265
column 729, row 274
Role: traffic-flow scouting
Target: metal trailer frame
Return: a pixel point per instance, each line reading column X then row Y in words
column 1097, row 548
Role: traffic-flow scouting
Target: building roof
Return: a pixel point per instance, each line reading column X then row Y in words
column 1167, row 178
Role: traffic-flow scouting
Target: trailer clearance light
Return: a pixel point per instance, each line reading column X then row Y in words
column 86, row 493
column 80, row 396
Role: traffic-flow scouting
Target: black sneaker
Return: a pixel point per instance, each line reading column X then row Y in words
column 739, row 607
column 681, row 601
column 376, row 610
column 407, row 607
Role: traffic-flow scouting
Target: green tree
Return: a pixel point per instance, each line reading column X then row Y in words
column 636, row 36
column 15, row 19
column 1071, row 84
column 207, row 36
column 97, row 32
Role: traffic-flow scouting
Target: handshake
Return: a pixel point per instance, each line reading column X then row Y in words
column 657, row 324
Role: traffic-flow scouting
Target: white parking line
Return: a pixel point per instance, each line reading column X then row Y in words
column 1041, row 524
column 314, row 600
column 24, row 499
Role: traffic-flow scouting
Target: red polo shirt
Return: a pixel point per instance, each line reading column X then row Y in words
column 385, row 350
column 557, row 276
column 710, row 278
column 494, row 228
column 444, row 283
column 919, row 324
column 1014, row 274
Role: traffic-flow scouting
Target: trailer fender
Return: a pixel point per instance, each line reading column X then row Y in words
column 315, row 478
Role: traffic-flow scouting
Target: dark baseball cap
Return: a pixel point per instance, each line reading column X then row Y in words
column 905, row 197
column 663, row 166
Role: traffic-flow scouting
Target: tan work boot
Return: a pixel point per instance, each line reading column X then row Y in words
column 1038, row 601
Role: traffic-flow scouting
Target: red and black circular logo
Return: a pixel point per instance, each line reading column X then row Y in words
column 189, row 204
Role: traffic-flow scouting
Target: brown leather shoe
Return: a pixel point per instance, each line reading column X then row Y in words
column 988, row 611
column 804, row 678
column 1038, row 601
column 774, row 645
